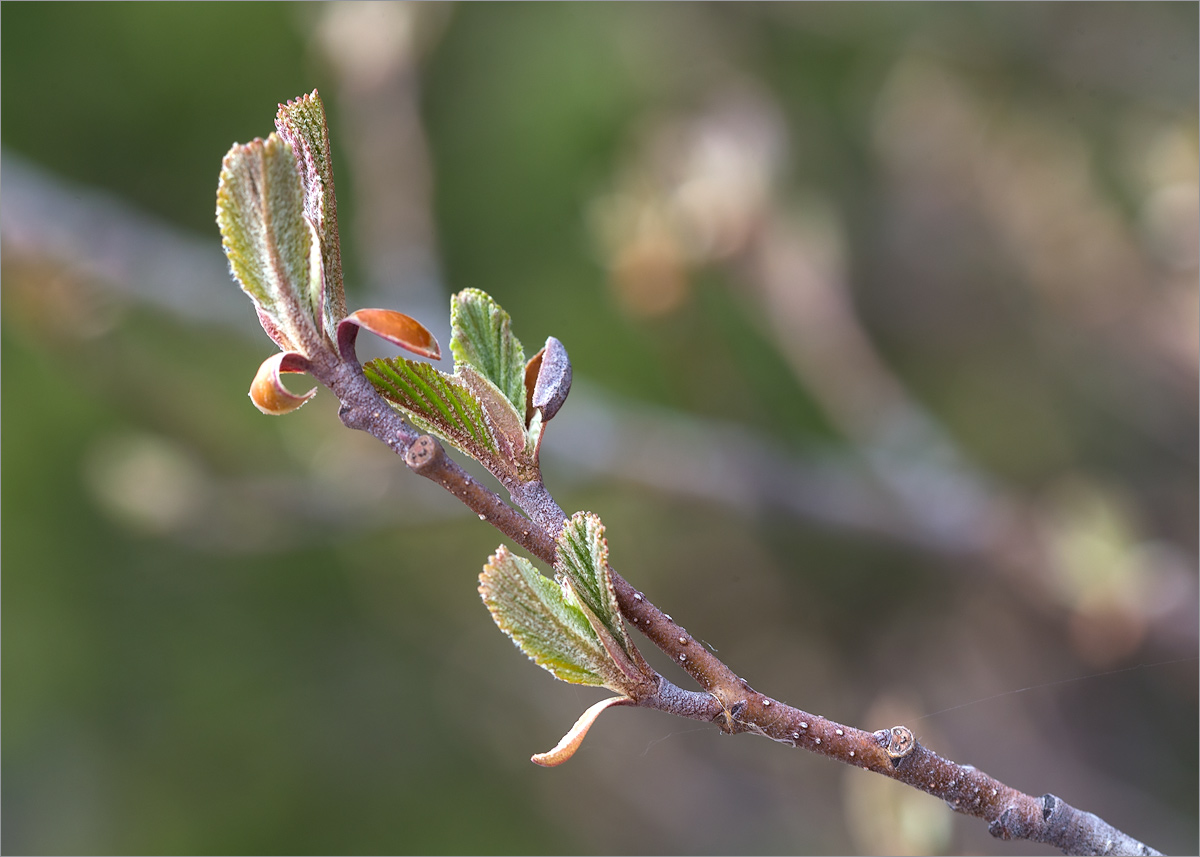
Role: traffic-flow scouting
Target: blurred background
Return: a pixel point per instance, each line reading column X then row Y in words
column 884, row 322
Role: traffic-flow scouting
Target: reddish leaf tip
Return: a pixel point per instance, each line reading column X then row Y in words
column 397, row 328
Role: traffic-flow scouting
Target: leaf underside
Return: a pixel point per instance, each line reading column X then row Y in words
column 554, row 633
column 260, row 211
column 504, row 423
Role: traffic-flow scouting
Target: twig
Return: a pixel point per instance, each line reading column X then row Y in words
column 727, row 700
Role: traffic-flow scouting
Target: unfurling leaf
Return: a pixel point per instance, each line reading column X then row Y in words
column 301, row 123
column 435, row 402
column 272, row 249
column 268, row 393
column 583, row 562
column 396, row 327
column 551, row 630
column 570, row 742
column 482, row 338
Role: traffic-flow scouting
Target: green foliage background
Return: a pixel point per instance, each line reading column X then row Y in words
column 281, row 675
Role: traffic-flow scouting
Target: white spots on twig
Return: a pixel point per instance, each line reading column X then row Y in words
column 818, row 740
column 803, row 724
column 796, row 736
column 634, row 620
column 851, row 754
column 766, row 703
column 668, row 615
column 683, row 641
column 993, row 792
column 682, row 658
column 839, row 732
column 482, row 516
column 637, row 596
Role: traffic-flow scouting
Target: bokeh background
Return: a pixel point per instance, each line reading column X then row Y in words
column 884, row 322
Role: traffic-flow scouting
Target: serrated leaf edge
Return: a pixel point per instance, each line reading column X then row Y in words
column 503, row 577
column 590, row 555
column 477, row 321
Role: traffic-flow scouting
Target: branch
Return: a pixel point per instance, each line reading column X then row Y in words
column 276, row 212
column 727, row 700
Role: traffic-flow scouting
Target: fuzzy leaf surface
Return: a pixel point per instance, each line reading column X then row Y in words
column 583, row 560
column 268, row 241
column 301, row 123
column 482, row 338
column 435, row 402
column 554, row 633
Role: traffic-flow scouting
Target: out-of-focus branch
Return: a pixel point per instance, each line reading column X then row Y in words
column 140, row 258
column 733, row 466
column 375, row 51
column 700, row 192
column 100, row 237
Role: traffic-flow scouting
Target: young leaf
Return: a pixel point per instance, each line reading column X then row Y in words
column 551, row 631
column 583, row 561
column 470, row 409
column 482, row 338
column 301, row 123
column 270, row 245
column 435, row 402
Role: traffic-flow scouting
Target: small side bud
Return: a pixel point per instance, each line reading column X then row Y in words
column 898, row 742
column 553, row 381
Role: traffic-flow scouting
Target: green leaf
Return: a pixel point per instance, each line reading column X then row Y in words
column 301, row 123
column 473, row 409
column 482, row 338
column 552, row 631
column 435, row 402
column 583, row 561
column 271, row 247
